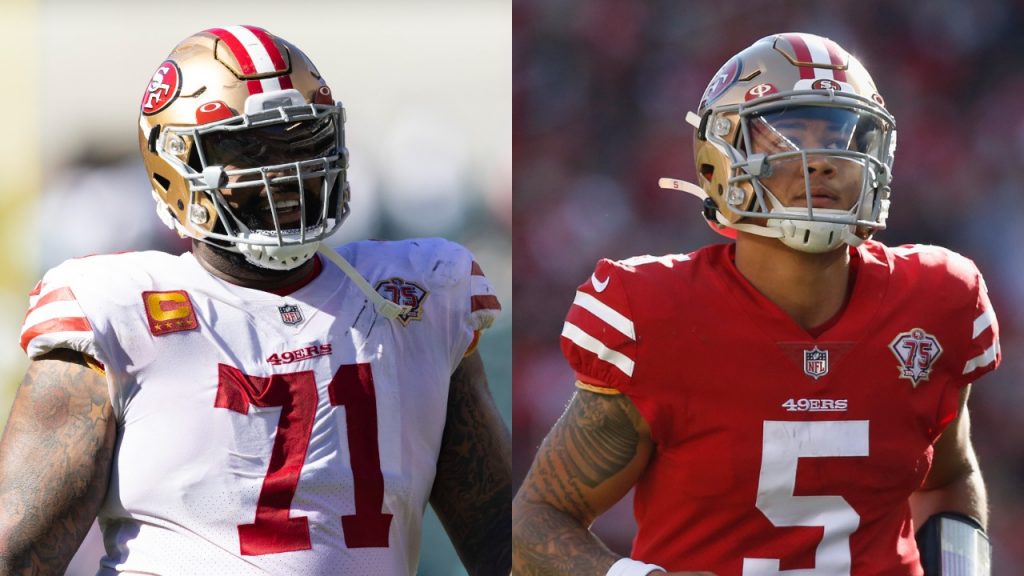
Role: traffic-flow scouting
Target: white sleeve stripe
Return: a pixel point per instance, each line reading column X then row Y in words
column 606, row 313
column 983, row 359
column 591, row 344
column 51, row 311
column 984, row 321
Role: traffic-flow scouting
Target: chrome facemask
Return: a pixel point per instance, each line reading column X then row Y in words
column 282, row 151
column 852, row 131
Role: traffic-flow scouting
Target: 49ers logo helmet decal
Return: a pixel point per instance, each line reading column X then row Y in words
column 164, row 87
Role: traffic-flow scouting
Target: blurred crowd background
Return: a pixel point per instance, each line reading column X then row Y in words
column 425, row 85
column 600, row 91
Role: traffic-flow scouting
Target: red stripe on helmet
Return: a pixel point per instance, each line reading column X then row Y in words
column 237, row 49
column 803, row 54
column 241, row 55
column 835, row 55
column 275, row 54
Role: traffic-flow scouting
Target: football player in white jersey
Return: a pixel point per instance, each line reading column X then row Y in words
column 261, row 404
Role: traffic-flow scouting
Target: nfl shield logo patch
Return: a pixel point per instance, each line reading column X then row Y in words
column 816, row 362
column 290, row 314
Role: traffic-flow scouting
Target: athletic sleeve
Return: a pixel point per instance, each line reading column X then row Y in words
column 982, row 353
column 55, row 319
column 598, row 337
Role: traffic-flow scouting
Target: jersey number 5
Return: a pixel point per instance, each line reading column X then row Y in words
column 784, row 444
column 352, row 387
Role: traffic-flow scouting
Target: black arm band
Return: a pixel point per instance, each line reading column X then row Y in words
column 953, row 544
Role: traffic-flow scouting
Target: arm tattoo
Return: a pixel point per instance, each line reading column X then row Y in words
column 55, row 459
column 472, row 491
column 600, row 441
column 596, row 439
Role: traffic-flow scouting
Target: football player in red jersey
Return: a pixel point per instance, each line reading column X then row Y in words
column 790, row 403
column 247, row 407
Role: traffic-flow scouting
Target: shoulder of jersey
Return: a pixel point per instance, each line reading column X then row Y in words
column 435, row 258
column 611, row 276
column 934, row 264
column 57, row 314
column 432, row 265
column 113, row 270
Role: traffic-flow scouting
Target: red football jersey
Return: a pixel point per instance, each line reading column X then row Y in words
column 777, row 450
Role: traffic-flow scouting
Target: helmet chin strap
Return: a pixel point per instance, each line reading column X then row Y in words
column 809, row 236
column 288, row 257
column 690, row 188
column 821, row 236
column 385, row 307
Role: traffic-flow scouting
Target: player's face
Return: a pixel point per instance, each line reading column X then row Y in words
column 832, row 181
column 276, row 146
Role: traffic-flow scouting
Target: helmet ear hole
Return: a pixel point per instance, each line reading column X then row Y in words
column 154, row 133
column 707, row 171
column 162, row 182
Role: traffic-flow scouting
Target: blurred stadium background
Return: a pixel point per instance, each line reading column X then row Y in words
column 426, row 86
column 600, row 90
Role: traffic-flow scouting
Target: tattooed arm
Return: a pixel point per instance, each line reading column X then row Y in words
column 591, row 458
column 595, row 453
column 472, row 492
column 55, row 459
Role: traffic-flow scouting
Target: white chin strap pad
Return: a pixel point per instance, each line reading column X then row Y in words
column 802, row 235
column 277, row 257
column 812, row 237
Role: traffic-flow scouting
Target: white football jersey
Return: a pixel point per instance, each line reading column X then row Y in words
column 266, row 434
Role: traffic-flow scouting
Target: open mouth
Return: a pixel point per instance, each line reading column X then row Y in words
column 288, row 208
column 283, row 206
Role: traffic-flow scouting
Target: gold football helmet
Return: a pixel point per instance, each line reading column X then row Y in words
column 244, row 146
column 745, row 138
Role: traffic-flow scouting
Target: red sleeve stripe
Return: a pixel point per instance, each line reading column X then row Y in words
column 476, row 270
column 484, row 302
column 983, row 321
column 58, row 295
column 605, row 313
column 55, row 325
column 593, row 345
column 39, row 288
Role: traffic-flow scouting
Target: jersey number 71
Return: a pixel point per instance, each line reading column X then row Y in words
column 352, row 387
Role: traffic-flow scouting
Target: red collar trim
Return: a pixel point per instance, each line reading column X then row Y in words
column 286, row 290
